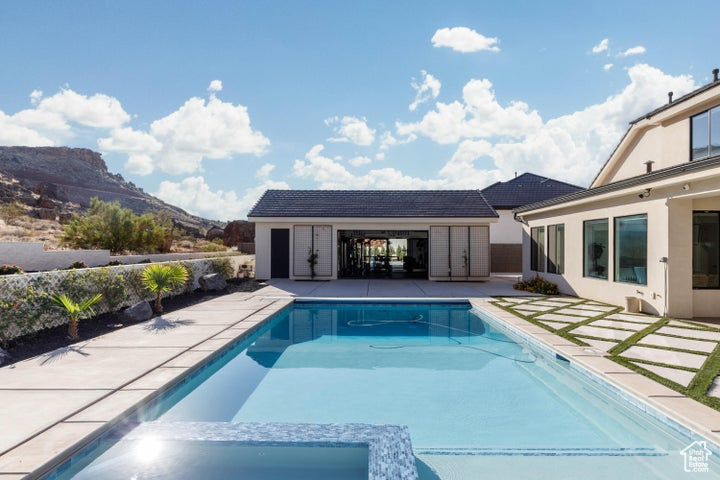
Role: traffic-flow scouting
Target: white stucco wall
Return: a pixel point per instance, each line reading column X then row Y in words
column 669, row 215
column 32, row 257
column 506, row 230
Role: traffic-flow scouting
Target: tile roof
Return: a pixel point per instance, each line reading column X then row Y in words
column 526, row 189
column 372, row 203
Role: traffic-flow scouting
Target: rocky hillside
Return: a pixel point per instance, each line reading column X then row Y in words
column 55, row 182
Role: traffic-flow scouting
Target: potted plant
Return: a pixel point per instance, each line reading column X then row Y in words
column 312, row 260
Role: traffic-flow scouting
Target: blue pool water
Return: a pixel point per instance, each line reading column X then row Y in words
column 477, row 404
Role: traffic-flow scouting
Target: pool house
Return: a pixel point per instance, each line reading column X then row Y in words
column 330, row 234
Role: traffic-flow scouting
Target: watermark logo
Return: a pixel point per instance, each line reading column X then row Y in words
column 697, row 457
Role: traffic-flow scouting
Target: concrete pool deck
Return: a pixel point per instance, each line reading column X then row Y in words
column 51, row 403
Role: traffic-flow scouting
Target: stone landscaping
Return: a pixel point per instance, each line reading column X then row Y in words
column 680, row 354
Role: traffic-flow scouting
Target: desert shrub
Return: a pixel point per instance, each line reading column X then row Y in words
column 114, row 263
column 222, row 266
column 109, row 226
column 10, row 212
column 537, row 285
column 213, row 246
column 10, row 270
column 77, row 264
column 145, row 260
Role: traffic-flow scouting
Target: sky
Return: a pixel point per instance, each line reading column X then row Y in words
column 208, row 104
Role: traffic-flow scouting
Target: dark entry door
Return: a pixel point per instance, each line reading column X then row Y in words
column 280, row 253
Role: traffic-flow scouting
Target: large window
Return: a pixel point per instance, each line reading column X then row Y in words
column 556, row 249
column 706, row 249
column 705, row 133
column 595, row 248
column 631, row 249
column 537, row 249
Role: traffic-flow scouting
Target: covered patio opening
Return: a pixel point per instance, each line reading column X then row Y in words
column 382, row 253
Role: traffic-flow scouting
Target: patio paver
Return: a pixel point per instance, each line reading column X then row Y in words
column 556, row 317
column 617, row 324
column 606, row 333
column 667, row 357
column 683, row 343
column 686, row 332
column 681, row 377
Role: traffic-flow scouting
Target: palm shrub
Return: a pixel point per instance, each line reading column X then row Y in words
column 76, row 311
column 161, row 278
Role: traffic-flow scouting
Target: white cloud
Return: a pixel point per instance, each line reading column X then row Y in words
column 129, row 141
column 139, row 164
column 359, row 161
column 601, row 47
column 331, row 175
column 464, row 39
column 215, row 86
column 478, row 116
column 633, row 51
column 607, row 66
column 427, row 90
column 13, row 133
column 351, row 129
column 36, row 96
column 195, row 195
column 53, row 120
column 179, row 142
column 98, row 111
column 265, row 170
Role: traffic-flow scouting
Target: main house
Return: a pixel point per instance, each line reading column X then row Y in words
column 328, row 234
column 647, row 231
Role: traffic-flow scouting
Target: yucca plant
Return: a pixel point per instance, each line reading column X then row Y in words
column 76, row 311
column 163, row 278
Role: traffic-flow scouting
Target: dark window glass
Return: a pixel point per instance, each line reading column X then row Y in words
column 715, row 131
column 706, row 249
column 556, row 249
column 595, row 251
column 537, row 249
column 631, row 249
column 700, row 134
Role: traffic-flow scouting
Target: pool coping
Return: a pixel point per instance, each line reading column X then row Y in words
column 40, row 452
column 695, row 421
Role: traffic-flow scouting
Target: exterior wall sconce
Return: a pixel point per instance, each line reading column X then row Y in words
column 686, row 187
column 645, row 194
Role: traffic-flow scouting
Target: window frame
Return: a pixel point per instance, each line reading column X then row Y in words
column 552, row 255
column 607, row 268
column 616, row 249
column 537, row 250
column 692, row 260
column 708, row 153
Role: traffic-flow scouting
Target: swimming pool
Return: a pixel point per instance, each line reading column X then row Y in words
column 474, row 400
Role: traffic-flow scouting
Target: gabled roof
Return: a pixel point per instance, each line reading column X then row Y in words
column 372, row 203
column 526, row 189
column 640, row 124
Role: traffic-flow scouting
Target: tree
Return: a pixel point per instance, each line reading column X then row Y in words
column 107, row 225
column 76, row 311
column 163, row 278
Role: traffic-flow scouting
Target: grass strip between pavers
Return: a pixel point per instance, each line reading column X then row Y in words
column 637, row 336
column 704, row 376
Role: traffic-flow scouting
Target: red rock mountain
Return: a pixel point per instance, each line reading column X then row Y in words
column 59, row 181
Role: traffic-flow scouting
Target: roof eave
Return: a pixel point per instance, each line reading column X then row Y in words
column 622, row 184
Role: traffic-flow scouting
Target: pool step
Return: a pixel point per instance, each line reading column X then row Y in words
column 547, row 452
